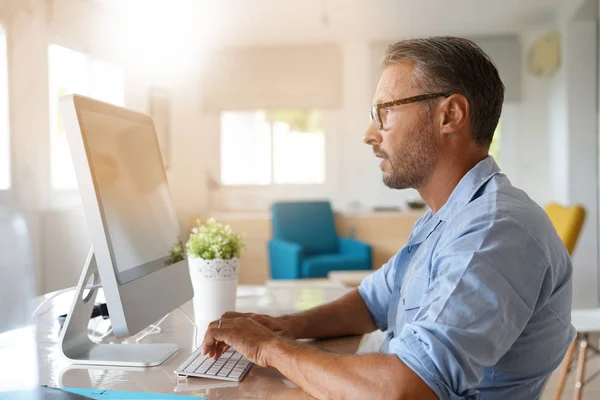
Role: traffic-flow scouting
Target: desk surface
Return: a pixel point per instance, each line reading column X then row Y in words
column 260, row 383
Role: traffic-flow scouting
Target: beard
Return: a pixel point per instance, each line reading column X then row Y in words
column 412, row 163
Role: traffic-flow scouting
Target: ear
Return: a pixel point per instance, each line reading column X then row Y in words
column 454, row 114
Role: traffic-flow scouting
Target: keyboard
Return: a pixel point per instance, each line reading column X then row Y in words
column 231, row 366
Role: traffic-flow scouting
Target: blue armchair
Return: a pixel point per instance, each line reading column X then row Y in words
column 306, row 245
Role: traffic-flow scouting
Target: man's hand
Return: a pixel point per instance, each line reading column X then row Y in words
column 282, row 326
column 246, row 336
column 321, row 374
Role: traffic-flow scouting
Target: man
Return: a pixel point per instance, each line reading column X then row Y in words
column 477, row 304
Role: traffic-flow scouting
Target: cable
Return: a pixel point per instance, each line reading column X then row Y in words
column 155, row 328
column 195, row 327
column 98, row 339
column 58, row 293
column 92, row 336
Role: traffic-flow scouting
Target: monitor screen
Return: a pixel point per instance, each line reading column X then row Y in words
column 132, row 191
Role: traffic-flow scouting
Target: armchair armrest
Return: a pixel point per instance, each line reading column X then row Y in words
column 354, row 247
column 285, row 259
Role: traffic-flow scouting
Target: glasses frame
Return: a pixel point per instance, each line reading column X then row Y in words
column 375, row 108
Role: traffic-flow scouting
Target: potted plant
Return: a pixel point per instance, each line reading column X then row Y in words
column 213, row 251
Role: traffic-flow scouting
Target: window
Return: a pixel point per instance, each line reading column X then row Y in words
column 74, row 72
column 5, row 156
column 272, row 147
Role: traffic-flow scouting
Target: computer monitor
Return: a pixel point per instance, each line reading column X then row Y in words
column 132, row 225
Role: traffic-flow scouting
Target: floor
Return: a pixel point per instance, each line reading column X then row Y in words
column 591, row 388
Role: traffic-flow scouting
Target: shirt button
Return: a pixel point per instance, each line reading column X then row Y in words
column 404, row 301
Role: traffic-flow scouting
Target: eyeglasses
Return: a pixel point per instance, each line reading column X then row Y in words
column 375, row 108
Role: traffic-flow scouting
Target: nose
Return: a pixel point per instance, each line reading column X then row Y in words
column 372, row 135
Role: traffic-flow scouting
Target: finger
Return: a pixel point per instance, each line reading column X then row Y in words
column 261, row 319
column 207, row 349
column 221, row 338
column 220, row 349
column 214, row 354
column 217, row 353
column 214, row 335
column 232, row 314
column 209, row 340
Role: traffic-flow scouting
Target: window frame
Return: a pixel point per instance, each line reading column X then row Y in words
column 6, row 195
column 66, row 198
column 270, row 119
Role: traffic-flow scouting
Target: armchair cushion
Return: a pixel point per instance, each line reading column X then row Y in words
column 285, row 259
column 309, row 224
column 319, row 266
column 355, row 248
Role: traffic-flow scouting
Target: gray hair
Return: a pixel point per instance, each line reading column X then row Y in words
column 455, row 65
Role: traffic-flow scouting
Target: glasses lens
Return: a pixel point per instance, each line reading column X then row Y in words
column 375, row 116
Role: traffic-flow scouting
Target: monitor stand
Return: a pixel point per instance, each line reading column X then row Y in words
column 76, row 345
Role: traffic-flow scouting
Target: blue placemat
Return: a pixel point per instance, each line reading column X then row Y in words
column 119, row 395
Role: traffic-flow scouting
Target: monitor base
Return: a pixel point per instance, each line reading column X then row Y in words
column 76, row 345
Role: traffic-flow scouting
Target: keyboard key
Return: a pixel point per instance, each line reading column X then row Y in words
column 195, row 364
column 226, row 370
column 188, row 361
column 204, row 367
column 230, row 366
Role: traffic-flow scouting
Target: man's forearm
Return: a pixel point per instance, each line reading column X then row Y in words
column 347, row 315
column 326, row 375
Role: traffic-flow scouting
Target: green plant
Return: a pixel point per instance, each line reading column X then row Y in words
column 176, row 253
column 214, row 240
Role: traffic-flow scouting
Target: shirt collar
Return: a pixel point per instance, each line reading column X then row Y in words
column 468, row 186
column 462, row 194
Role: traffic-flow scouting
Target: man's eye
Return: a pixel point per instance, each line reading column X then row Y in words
column 388, row 110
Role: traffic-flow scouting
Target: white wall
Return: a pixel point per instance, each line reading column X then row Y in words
column 532, row 146
column 558, row 144
column 581, row 58
column 28, row 97
column 360, row 176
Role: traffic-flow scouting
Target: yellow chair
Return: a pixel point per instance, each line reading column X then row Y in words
column 568, row 222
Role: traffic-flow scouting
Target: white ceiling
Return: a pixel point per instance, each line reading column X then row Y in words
column 308, row 21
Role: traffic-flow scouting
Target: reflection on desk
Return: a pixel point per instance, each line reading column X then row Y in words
column 260, row 383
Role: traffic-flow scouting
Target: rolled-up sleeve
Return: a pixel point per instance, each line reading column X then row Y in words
column 487, row 284
column 376, row 291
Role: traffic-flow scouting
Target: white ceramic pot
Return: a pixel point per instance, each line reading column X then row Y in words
column 215, row 285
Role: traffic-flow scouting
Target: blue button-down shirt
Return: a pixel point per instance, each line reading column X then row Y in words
column 478, row 302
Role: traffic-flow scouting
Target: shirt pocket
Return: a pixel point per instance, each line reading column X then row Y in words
column 412, row 297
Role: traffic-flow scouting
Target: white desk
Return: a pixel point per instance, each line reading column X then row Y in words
column 260, row 383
